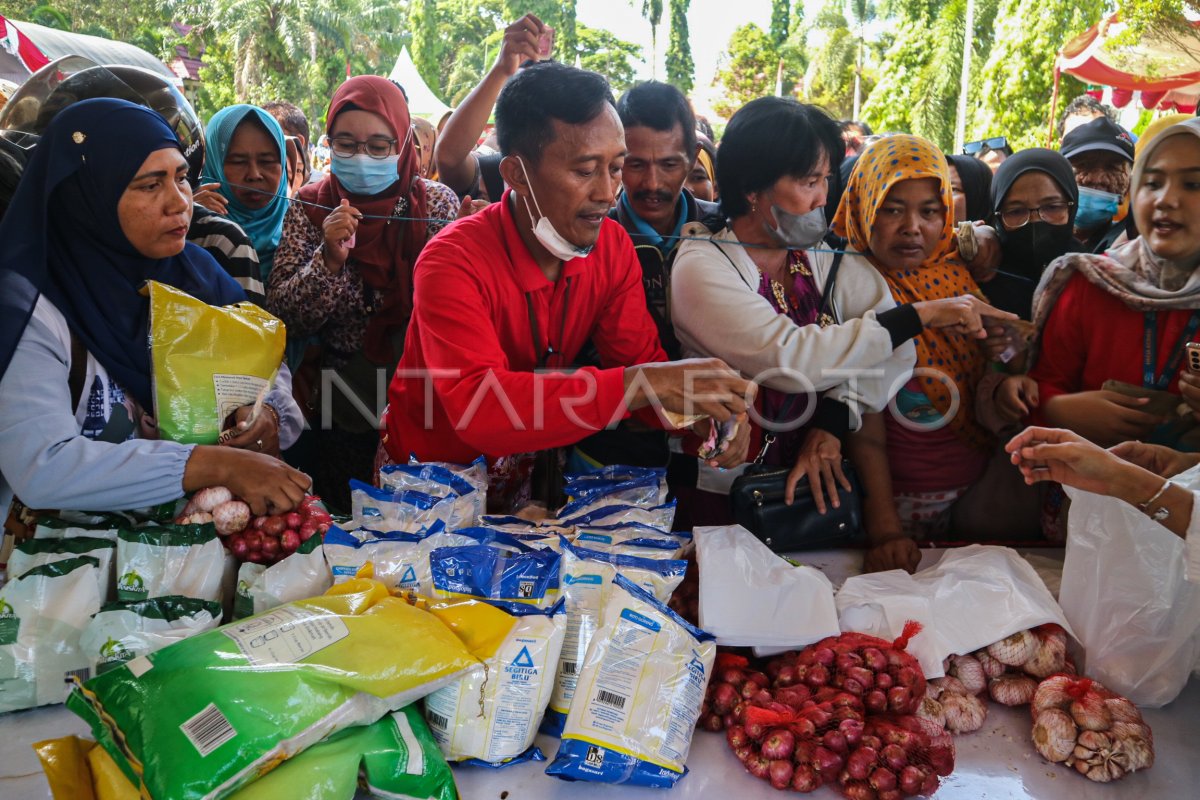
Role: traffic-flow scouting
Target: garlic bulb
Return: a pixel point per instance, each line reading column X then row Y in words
column 949, row 685
column 991, row 667
column 970, row 672
column 1051, row 655
column 1051, row 693
column 932, row 710
column 1095, row 757
column 964, row 712
column 1054, row 735
column 1091, row 714
column 1014, row 650
column 1122, row 710
column 1012, row 690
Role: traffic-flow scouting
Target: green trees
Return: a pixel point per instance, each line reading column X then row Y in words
column 680, row 67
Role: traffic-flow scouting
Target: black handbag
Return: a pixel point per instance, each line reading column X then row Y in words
column 757, row 495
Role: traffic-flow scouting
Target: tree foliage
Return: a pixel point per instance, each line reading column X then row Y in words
column 1018, row 79
column 681, row 69
column 614, row 58
column 747, row 68
column 780, row 21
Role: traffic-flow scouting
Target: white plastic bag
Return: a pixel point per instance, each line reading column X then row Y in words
column 972, row 597
column 156, row 561
column 405, row 510
column 1123, row 589
column 42, row 616
column 122, row 631
column 38, row 552
column 749, row 596
column 301, row 575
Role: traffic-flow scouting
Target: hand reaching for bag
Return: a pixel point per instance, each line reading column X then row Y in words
column 820, row 460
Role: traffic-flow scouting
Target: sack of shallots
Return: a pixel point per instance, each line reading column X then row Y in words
column 1078, row 722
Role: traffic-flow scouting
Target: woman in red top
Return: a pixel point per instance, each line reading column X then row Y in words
column 1128, row 315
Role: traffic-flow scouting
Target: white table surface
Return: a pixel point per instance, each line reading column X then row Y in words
column 996, row 763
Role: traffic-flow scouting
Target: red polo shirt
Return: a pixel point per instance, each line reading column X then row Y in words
column 466, row 383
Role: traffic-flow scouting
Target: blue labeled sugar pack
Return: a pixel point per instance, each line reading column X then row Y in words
column 504, row 568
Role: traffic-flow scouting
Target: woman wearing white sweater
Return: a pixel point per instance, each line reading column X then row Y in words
column 751, row 294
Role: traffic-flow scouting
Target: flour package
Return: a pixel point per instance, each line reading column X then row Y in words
column 639, row 485
column 157, row 561
column 646, row 492
column 634, row 540
column 638, row 695
column 399, row 560
column 609, row 514
column 503, row 568
column 406, row 510
column 124, row 630
column 587, row 584
column 43, row 614
column 303, row 574
column 468, row 500
column 39, row 552
column 491, row 716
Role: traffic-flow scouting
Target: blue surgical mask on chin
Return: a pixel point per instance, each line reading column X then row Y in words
column 363, row 175
column 544, row 231
column 1095, row 208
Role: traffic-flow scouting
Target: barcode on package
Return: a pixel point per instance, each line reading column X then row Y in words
column 208, row 730
column 610, row 699
column 437, row 720
column 570, row 668
column 83, row 674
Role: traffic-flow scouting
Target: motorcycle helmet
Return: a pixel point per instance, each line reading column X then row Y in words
column 70, row 79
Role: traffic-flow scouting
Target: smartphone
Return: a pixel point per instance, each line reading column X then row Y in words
column 1193, row 356
column 545, row 43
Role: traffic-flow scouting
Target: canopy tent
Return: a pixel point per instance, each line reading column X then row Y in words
column 1164, row 70
column 26, row 47
column 422, row 102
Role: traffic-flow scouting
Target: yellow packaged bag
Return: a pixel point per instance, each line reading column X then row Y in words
column 208, row 361
column 209, row 714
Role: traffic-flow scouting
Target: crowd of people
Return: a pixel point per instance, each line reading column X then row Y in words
column 604, row 280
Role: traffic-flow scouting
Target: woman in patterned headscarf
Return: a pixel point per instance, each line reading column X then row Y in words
column 922, row 455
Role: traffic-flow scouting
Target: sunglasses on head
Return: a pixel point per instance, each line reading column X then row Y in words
column 995, row 143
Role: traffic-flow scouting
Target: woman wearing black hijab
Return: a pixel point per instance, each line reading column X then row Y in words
column 971, row 182
column 103, row 206
column 1033, row 203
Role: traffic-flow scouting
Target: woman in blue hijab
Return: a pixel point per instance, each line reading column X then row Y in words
column 103, row 206
column 244, row 177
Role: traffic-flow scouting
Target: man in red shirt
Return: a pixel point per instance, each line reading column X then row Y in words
column 506, row 296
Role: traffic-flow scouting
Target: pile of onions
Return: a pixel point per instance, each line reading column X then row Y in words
column 834, row 713
column 1078, row 722
column 263, row 539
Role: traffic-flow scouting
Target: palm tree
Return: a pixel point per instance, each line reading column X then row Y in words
column 861, row 12
column 652, row 11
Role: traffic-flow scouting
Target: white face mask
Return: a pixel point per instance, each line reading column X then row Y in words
column 544, row 230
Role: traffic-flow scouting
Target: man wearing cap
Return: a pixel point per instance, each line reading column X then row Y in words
column 1101, row 153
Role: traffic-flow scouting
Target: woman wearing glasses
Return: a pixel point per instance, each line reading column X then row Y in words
column 1033, row 208
column 343, row 272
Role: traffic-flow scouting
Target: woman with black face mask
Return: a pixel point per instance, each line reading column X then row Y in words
column 1034, row 198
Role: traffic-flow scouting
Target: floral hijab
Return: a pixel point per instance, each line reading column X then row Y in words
column 882, row 165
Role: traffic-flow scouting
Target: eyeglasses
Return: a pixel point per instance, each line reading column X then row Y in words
column 1052, row 213
column 995, row 143
column 379, row 147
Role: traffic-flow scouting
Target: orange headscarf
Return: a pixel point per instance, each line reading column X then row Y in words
column 881, row 166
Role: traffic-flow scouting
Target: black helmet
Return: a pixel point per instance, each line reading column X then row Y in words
column 70, row 79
